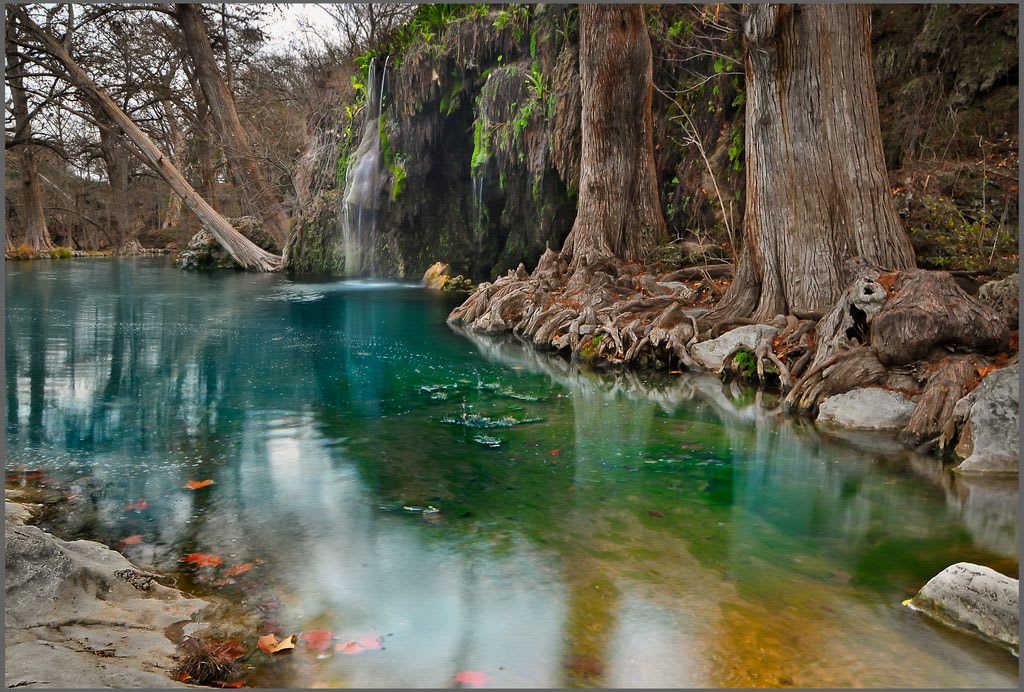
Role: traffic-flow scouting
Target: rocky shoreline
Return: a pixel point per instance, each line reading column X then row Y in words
column 78, row 614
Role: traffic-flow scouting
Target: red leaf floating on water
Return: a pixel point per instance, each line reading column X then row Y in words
column 203, row 559
column 238, row 569
column 317, row 640
column 472, row 678
column 195, row 485
column 349, row 648
column 134, row 539
column 370, row 642
column 138, row 505
column 555, row 452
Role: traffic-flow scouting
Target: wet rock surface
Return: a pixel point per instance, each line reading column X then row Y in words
column 973, row 598
column 867, row 408
column 988, row 443
column 78, row 614
column 711, row 354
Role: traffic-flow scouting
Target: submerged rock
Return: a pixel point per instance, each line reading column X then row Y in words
column 975, row 599
column 712, row 353
column 78, row 614
column 867, row 408
column 988, row 443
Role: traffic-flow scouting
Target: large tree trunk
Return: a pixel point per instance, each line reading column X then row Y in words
column 115, row 160
column 242, row 250
column 33, row 219
column 176, row 139
column 244, row 168
column 619, row 214
column 817, row 191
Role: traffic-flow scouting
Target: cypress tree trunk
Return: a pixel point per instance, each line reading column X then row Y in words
column 244, row 169
column 115, row 161
column 619, row 213
column 36, row 235
column 817, row 191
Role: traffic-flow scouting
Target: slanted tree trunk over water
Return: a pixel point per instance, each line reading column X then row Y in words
column 619, row 213
column 817, row 191
column 33, row 219
column 244, row 168
column 245, row 252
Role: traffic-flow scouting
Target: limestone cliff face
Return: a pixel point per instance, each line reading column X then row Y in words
column 478, row 136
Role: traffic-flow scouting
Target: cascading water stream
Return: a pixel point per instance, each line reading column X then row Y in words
column 478, row 171
column 359, row 223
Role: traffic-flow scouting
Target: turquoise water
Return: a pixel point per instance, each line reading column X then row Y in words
column 607, row 530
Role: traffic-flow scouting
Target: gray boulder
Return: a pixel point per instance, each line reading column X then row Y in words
column 867, row 408
column 712, row 353
column 78, row 614
column 975, row 599
column 1003, row 296
column 988, row 443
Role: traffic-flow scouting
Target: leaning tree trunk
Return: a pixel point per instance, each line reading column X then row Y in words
column 36, row 236
column 619, row 214
column 817, row 191
column 243, row 165
column 245, row 252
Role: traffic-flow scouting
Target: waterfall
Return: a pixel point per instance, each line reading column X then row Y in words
column 361, row 200
column 477, row 172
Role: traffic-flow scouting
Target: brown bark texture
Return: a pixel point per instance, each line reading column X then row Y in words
column 817, row 190
column 32, row 217
column 619, row 213
column 245, row 169
column 246, row 253
column 119, row 199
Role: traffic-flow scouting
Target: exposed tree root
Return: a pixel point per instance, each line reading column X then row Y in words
column 912, row 331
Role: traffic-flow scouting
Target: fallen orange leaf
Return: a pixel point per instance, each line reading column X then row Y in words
column 985, row 370
column 349, row 648
column 317, row 640
column 555, row 452
column 229, row 651
column 203, row 559
column 195, row 485
column 134, row 539
column 238, row 569
column 235, row 684
column 472, row 678
column 370, row 641
column 138, row 505
column 271, row 645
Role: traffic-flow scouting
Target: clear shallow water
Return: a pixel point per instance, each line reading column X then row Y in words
column 645, row 532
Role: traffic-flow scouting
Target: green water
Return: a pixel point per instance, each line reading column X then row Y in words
column 642, row 531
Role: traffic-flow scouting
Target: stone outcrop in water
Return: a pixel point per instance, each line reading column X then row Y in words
column 204, row 252
column 975, row 599
column 867, row 408
column 78, row 614
column 988, row 442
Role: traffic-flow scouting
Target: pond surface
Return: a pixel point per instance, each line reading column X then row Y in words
column 609, row 531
